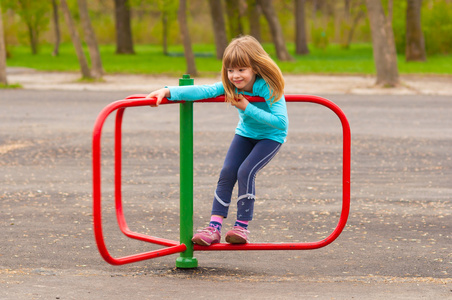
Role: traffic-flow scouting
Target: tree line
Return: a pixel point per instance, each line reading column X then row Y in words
column 227, row 19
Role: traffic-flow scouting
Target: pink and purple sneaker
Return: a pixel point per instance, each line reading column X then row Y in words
column 207, row 236
column 238, row 235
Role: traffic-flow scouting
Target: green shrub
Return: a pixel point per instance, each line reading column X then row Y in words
column 436, row 19
column 319, row 37
column 399, row 26
column 437, row 26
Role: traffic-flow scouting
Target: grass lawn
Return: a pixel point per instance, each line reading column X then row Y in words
column 149, row 59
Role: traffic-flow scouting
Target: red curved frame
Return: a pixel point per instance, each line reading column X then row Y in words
column 174, row 246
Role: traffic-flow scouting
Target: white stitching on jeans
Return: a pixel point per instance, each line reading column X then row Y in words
column 221, row 201
column 272, row 154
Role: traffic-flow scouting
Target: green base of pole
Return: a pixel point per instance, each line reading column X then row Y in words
column 186, row 262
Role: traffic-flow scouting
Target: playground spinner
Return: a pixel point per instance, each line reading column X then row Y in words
column 185, row 247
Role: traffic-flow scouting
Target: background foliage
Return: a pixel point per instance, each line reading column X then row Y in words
column 326, row 28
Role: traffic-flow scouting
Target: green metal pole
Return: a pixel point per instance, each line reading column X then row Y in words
column 186, row 259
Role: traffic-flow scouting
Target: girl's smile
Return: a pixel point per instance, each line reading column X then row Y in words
column 242, row 78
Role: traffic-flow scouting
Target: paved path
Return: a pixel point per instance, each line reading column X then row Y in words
column 295, row 84
column 397, row 243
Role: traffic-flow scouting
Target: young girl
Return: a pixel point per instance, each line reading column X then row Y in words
column 247, row 70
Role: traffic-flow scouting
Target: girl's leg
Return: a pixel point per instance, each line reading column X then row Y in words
column 216, row 222
column 260, row 156
column 238, row 151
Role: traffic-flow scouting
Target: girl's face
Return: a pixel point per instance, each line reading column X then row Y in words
column 242, row 78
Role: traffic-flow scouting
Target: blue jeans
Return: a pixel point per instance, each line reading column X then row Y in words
column 244, row 159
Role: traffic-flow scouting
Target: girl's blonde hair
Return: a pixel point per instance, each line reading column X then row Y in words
column 247, row 52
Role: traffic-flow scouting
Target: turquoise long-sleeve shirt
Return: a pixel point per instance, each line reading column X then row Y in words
column 260, row 120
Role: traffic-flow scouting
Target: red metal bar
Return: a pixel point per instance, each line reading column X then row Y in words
column 118, row 190
column 174, row 247
column 346, row 152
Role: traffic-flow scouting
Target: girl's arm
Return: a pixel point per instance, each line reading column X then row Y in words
column 196, row 92
column 276, row 116
column 188, row 93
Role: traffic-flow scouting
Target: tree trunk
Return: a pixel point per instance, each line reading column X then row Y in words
column 97, row 70
column 355, row 22
column 76, row 40
column 165, row 32
column 353, row 13
column 185, row 36
column 385, row 56
column 56, row 25
column 275, row 29
column 254, row 15
column 33, row 36
column 219, row 28
column 234, row 18
column 317, row 6
column 124, row 43
column 3, row 79
column 31, row 19
column 415, row 45
column 347, row 7
column 301, row 43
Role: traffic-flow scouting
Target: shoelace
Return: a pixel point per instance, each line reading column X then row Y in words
column 209, row 230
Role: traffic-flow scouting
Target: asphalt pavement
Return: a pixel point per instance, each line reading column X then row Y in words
column 397, row 242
